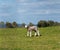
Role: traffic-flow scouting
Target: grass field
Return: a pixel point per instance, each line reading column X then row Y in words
column 16, row 39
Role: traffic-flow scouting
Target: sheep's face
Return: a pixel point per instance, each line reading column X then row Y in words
column 25, row 26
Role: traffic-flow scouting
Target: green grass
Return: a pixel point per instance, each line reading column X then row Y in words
column 16, row 39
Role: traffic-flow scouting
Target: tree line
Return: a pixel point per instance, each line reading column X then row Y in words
column 41, row 23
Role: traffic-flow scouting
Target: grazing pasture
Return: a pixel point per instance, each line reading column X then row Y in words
column 16, row 39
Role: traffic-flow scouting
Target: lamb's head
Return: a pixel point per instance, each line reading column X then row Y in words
column 25, row 26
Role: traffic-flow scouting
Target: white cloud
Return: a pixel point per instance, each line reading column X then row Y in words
column 22, row 0
column 39, row 3
column 21, row 10
column 29, row 5
column 4, row 14
column 47, row 11
column 54, row 11
column 5, row 5
column 40, row 12
column 48, row 3
column 43, row 11
column 54, row 0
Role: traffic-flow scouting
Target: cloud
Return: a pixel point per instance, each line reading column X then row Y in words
column 26, row 7
column 21, row 10
column 54, row 0
column 49, row 11
column 3, row 5
column 40, row 11
column 4, row 14
column 7, row 3
column 39, row 3
column 22, row 0
column 54, row 11
column 7, row 8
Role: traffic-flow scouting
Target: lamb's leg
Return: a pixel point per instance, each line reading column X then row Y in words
column 35, row 33
column 38, row 33
column 28, row 33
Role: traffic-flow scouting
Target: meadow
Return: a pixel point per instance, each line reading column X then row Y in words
column 16, row 39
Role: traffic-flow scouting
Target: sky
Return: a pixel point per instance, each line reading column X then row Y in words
column 26, row 11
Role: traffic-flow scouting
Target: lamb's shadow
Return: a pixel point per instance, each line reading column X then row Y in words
column 36, row 35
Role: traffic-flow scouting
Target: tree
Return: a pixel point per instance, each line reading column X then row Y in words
column 30, row 24
column 2, row 24
column 23, row 24
column 51, row 23
column 14, row 24
column 42, row 23
column 56, row 24
column 9, row 25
